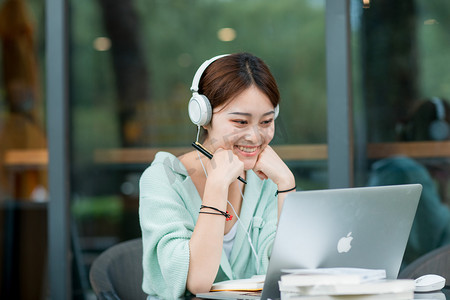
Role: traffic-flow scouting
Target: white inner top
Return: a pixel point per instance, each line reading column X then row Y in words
column 228, row 240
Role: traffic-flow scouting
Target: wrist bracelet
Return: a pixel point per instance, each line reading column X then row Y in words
column 227, row 216
column 285, row 191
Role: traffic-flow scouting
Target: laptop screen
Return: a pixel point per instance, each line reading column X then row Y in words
column 355, row 227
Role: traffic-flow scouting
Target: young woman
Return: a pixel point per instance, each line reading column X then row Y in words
column 199, row 223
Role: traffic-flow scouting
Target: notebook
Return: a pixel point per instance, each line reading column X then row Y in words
column 364, row 227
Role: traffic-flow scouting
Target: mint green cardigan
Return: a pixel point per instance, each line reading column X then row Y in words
column 168, row 211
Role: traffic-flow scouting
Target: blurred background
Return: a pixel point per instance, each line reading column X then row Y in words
column 130, row 67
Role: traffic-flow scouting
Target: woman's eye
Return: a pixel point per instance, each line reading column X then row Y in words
column 240, row 122
column 267, row 122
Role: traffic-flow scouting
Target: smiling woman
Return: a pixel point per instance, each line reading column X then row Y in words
column 187, row 203
column 242, row 126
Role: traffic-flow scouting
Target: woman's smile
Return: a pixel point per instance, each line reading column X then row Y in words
column 247, row 151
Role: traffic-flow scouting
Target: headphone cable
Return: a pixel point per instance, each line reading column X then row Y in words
column 238, row 219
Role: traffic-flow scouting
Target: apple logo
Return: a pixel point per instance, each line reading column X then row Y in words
column 344, row 244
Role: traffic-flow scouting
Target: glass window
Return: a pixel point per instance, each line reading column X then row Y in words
column 23, row 154
column 401, row 108
column 131, row 67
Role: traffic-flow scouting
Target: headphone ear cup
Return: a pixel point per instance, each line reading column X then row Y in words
column 200, row 110
column 277, row 111
column 439, row 130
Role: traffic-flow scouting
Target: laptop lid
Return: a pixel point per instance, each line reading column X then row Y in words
column 355, row 227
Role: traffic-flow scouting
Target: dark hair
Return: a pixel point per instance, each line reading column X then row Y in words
column 231, row 75
column 417, row 124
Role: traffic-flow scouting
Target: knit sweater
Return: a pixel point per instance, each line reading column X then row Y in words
column 168, row 212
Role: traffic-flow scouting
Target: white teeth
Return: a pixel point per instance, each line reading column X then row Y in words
column 247, row 149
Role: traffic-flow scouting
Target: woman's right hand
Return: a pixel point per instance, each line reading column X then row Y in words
column 225, row 167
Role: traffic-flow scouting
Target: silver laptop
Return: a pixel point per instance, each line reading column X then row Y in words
column 355, row 227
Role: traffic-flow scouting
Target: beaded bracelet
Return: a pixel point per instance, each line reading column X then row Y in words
column 227, row 216
column 285, row 191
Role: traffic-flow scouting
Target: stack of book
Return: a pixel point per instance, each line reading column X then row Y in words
column 255, row 283
column 343, row 283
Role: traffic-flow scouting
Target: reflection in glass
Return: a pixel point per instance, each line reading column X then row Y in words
column 23, row 154
column 21, row 119
column 401, row 112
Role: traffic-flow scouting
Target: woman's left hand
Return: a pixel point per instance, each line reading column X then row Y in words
column 270, row 165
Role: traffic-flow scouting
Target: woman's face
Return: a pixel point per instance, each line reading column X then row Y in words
column 244, row 125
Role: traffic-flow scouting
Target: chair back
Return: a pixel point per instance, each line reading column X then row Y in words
column 434, row 262
column 117, row 272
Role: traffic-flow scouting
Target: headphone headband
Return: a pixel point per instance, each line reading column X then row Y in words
column 199, row 107
column 201, row 69
column 440, row 109
column 439, row 129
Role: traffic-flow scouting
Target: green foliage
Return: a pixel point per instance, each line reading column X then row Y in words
column 289, row 35
column 434, row 42
column 85, row 208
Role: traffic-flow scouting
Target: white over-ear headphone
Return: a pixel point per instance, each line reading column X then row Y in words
column 439, row 129
column 200, row 111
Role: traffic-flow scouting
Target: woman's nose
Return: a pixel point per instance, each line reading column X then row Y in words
column 254, row 135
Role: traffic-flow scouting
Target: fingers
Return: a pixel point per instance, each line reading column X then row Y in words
column 225, row 165
column 270, row 165
column 267, row 160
